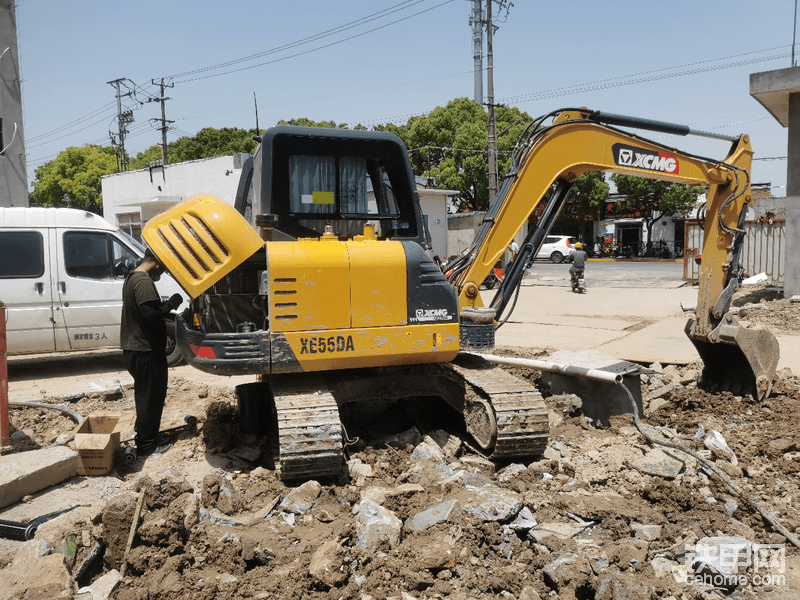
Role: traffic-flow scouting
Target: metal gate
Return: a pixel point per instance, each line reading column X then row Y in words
column 763, row 252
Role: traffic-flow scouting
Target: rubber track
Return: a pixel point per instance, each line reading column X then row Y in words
column 309, row 440
column 521, row 414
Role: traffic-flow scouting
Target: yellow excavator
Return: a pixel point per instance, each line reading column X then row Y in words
column 319, row 268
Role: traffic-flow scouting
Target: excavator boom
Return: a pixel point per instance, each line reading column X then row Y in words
column 578, row 141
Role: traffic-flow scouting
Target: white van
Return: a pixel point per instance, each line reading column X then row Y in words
column 61, row 276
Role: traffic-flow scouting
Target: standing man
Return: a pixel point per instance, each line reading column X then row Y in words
column 143, row 337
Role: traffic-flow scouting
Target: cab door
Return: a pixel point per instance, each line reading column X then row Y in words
column 88, row 287
column 26, row 290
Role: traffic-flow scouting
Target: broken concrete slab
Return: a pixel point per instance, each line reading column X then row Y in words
column 27, row 473
column 646, row 532
column 659, row 464
column 376, row 527
column 446, row 512
column 301, row 499
column 563, row 531
column 490, row 503
column 599, row 400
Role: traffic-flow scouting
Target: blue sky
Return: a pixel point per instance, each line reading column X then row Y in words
column 681, row 61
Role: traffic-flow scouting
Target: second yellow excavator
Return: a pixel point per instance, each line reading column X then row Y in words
column 335, row 300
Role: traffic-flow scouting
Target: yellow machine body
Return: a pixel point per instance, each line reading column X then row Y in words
column 341, row 305
column 187, row 239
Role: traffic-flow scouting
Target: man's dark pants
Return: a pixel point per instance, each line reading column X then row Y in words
column 150, row 373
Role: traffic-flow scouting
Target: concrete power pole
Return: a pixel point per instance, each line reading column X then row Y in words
column 164, row 121
column 476, row 20
column 490, row 103
column 123, row 118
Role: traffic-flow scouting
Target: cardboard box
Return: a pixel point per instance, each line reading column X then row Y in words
column 96, row 440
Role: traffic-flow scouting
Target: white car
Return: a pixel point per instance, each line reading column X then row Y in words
column 556, row 247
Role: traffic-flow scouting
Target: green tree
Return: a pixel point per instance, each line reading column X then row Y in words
column 451, row 145
column 656, row 198
column 72, row 179
column 206, row 143
column 304, row 122
column 587, row 195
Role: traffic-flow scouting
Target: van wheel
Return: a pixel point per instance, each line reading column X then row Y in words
column 174, row 356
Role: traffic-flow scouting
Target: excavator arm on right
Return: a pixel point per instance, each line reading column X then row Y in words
column 736, row 358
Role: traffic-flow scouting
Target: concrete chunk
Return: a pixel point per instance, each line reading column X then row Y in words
column 376, row 527
column 28, row 472
column 659, row 464
column 446, row 512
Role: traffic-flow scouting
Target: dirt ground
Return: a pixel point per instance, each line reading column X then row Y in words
column 207, row 533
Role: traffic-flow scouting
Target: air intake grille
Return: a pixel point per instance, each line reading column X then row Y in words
column 193, row 244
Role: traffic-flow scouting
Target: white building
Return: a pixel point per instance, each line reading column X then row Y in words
column 130, row 199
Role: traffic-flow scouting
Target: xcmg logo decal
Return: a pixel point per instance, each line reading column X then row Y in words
column 631, row 156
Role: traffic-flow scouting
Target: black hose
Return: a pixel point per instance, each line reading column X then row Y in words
column 767, row 515
column 75, row 416
column 11, row 530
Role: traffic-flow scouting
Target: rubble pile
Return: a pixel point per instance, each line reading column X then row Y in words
column 420, row 514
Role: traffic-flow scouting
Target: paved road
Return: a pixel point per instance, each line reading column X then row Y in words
column 606, row 273
column 632, row 311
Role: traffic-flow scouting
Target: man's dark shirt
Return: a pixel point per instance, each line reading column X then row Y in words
column 142, row 325
column 578, row 259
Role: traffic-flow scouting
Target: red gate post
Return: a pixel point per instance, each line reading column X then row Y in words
column 3, row 379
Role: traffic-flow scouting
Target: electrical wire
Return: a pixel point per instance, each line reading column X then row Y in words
column 347, row 39
column 621, row 80
column 313, row 38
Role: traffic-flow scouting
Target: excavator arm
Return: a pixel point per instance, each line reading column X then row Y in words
column 578, row 141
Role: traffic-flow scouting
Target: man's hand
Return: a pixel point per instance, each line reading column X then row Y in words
column 175, row 300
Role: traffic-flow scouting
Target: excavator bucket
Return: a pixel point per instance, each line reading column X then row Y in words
column 735, row 358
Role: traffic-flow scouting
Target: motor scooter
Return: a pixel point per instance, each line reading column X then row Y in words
column 578, row 282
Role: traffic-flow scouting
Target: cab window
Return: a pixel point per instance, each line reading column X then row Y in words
column 21, row 254
column 352, row 190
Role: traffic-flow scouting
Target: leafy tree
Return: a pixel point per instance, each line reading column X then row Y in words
column 656, row 198
column 72, row 179
column 304, row 122
column 451, row 145
column 587, row 195
column 207, row 143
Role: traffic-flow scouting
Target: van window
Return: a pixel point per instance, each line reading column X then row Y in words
column 124, row 258
column 86, row 255
column 21, row 254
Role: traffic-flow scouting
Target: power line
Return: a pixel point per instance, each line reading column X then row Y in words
column 347, row 39
column 313, row 38
column 615, row 82
column 133, row 88
column 77, row 121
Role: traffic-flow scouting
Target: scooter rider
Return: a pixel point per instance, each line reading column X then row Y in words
column 578, row 259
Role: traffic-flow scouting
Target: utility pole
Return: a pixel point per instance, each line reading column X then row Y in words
column 164, row 121
column 123, row 118
column 490, row 103
column 476, row 20
column 490, row 29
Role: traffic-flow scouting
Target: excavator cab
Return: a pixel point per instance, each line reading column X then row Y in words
column 308, row 178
